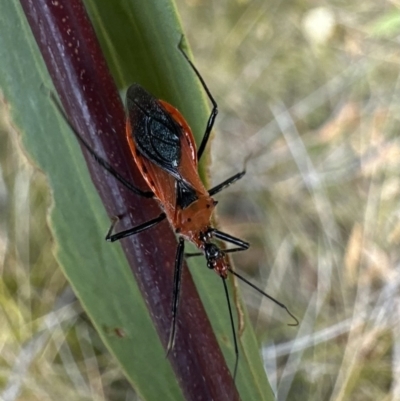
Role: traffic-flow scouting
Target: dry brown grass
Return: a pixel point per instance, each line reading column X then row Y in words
column 311, row 94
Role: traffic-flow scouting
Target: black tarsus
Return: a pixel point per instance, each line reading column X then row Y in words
column 214, row 111
column 176, row 292
column 97, row 158
column 134, row 230
column 266, row 295
column 235, row 343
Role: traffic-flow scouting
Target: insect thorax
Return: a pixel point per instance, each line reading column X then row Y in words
column 193, row 221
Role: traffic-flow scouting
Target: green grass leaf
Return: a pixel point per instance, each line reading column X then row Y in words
column 386, row 25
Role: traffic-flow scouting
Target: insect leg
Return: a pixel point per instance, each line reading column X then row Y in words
column 134, row 230
column 232, row 250
column 226, row 183
column 214, row 111
column 233, row 328
column 192, row 254
column 96, row 157
column 229, row 238
column 176, row 292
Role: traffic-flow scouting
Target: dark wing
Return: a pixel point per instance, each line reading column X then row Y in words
column 156, row 134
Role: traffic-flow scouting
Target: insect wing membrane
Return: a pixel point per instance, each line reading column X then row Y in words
column 188, row 165
column 155, row 132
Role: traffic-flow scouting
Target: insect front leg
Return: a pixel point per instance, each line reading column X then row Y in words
column 134, row 230
column 229, row 238
column 232, row 250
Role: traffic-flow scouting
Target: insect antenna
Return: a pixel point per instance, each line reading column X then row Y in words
column 240, row 277
column 232, row 250
column 266, row 295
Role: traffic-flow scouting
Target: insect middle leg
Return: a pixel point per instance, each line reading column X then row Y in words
column 226, row 183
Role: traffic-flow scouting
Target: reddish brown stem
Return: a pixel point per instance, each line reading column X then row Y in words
column 88, row 94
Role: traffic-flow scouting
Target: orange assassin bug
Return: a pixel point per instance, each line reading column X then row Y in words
column 164, row 149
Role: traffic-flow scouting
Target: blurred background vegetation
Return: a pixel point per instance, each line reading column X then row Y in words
column 308, row 94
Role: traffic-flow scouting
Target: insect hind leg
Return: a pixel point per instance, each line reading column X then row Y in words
column 214, row 111
column 93, row 154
